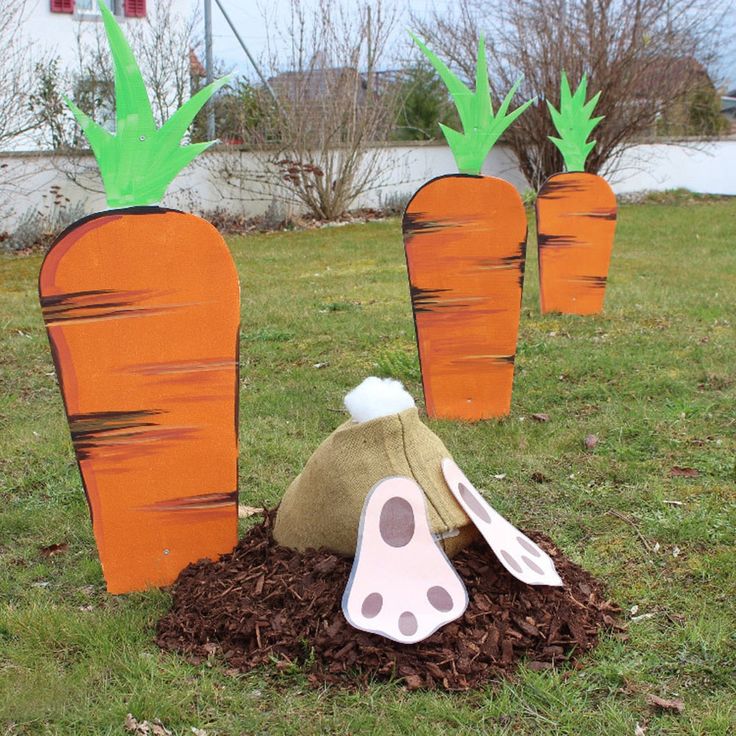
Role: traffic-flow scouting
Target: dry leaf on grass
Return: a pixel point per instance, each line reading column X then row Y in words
column 590, row 441
column 640, row 730
column 541, row 417
column 145, row 728
column 53, row 549
column 672, row 705
column 539, row 477
column 680, row 472
column 245, row 512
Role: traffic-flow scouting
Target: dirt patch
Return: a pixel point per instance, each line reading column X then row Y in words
column 265, row 603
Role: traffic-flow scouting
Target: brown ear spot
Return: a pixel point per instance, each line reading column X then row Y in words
column 439, row 598
column 532, row 565
column 372, row 605
column 529, row 547
column 511, row 561
column 473, row 503
column 407, row 623
column 397, row 522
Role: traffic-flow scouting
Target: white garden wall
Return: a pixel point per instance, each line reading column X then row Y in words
column 26, row 179
column 706, row 168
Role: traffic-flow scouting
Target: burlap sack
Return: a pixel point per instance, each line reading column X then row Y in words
column 322, row 506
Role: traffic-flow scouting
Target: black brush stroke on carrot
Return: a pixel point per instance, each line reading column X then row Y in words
column 426, row 300
column 598, row 282
column 522, row 264
column 601, row 215
column 416, row 223
column 558, row 187
column 493, row 359
column 194, row 503
column 89, row 430
column 556, row 241
column 64, row 299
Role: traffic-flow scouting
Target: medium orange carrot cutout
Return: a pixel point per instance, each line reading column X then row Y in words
column 142, row 309
column 576, row 215
column 465, row 242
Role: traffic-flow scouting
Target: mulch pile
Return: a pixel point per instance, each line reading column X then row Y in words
column 264, row 603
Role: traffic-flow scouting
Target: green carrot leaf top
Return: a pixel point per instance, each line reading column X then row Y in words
column 574, row 123
column 139, row 161
column 481, row 126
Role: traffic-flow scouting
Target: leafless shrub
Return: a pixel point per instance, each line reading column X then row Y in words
column 334, row 104
column 646, row 56
column 38, row 228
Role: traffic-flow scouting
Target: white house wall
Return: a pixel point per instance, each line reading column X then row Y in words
column 57, row 32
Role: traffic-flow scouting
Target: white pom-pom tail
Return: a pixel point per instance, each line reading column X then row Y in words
column 377, row 397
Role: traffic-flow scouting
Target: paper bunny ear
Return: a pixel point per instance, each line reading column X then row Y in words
column 402, row 586
column 515, row 551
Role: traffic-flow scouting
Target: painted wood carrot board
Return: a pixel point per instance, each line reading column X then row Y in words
column 142, row 311
column 576, row 222
column 465, row 241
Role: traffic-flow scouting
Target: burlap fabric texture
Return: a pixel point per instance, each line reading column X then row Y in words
column 322, row 506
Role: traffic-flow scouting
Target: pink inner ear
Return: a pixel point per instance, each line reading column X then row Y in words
column 515, row 551
column 402, row 586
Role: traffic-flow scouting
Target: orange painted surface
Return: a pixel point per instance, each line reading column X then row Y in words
column 465, row 240
column 576, row 221
column 142, row 309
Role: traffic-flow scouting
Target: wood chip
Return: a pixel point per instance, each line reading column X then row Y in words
column 245, row 512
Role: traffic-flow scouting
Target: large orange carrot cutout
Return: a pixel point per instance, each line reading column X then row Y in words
column 465, row 241
column 141, row 306
column 576, row 215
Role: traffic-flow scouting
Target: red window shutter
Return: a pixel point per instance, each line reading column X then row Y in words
column 62, row 6
column 135, row 8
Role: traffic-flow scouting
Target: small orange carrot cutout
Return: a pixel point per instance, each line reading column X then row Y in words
column 141, row 306
column 465, row 241
column 576, row 215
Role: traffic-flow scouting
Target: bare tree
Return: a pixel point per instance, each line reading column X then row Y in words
column 334, row 104
column 16, row 80
column 163, row 44
column 646, row 56
column 17, row 121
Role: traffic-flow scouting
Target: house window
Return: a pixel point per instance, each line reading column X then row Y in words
column 90, row 7
column 135, row 8
column 62, row 6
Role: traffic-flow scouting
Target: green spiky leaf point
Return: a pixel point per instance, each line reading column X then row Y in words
column 574, row 123
column 481, row 126
column 139, row 161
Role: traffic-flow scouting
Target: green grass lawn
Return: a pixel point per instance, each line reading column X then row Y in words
column 654, row 379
